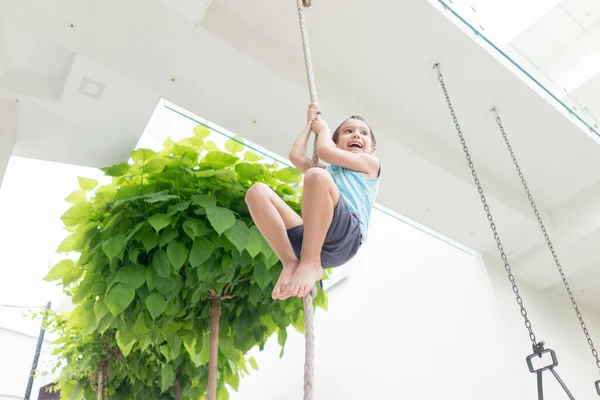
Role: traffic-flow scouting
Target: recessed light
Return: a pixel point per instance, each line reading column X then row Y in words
column 91, row 88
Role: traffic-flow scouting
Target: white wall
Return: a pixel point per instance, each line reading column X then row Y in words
column 17, row 351
column 8, row 132
column 420, row 319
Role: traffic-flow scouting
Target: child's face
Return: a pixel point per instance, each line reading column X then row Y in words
column 355, row 137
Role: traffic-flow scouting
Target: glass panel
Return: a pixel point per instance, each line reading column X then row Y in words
column 553, row 42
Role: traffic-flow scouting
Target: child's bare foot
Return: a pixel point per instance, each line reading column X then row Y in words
column 286, row 274
column 304, row 279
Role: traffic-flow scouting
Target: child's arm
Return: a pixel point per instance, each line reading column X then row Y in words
column 298, row 155
column 330, row 153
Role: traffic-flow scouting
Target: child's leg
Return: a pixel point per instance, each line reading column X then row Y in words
column 320, row 198
column 273, row 217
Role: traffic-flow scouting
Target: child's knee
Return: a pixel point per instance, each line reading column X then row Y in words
column 317, row 176
column 257, row 191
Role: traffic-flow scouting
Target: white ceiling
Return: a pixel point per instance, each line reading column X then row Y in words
column 244, row 64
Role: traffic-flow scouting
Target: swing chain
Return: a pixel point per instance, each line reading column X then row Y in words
column 307, row 3
column 547, row 237
column 486, row 208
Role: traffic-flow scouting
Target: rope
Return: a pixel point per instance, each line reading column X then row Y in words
column 312, row 89
column 309, row 334
column 309, row 348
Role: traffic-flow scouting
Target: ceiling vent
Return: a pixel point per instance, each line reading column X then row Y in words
column 91, row 88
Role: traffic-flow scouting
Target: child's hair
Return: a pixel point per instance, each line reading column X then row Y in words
column 336, row 133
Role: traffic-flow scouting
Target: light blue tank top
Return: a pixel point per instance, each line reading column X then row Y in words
column 359, row 190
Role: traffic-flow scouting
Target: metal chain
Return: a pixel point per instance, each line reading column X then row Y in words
column 547, row 237
column 486, row 208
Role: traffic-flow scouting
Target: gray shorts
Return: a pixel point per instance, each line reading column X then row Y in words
column 342, row 241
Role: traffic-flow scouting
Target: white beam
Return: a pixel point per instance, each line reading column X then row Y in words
column 574, row 229
column 8, row 132
column 193, row 10
column 576, row 63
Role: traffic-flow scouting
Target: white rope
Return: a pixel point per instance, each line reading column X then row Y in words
column 309, row 333
column 312, row 89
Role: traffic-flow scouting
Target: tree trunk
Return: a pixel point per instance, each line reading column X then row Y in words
column 100, row 383
column 213, row 361
column 177, row 389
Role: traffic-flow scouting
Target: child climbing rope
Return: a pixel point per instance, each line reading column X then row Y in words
column 336, row 204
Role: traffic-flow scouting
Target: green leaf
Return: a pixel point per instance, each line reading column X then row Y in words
column 119, row 298
column 140, row 326
column 161, row 264
column 281, row 339
column 156, row 304
column 211, row 146
column 159, row 221
column 255, row 240
column 177, row 253
column 220, row 218
column 239, row 235
column 248, row 171
column 77, row 214
column 135, row 230
column 189, row 155
column 207, row 173
column 321, row 300
column 168, row 146
column 204, row 200
column 71, row 276
column 253, row 362
column 142, row 156
column 134, row 254
column 288, row 175
column 113, row 246
column 255, row 294
column 116, row 170
column 158, row 197
column 69, row 243
column 234, row 145
column 61, row 269
column 77, row 196
column 133, row 276
column 189, row 342
column 87, row 184
column 125, row 341
column 205, row 349
column 201, row 251
column 194, row 228
column 155, row 166
column 150, row 240
column 217, row 160
column 100, row 309
column 262, row 276
column 194, row 142
column 233, row 378
column 287, row 190
column 201, row 131
column 151, row 278
column 167, row 236
column 252, row 156
column 174, row 209
column 166, row 285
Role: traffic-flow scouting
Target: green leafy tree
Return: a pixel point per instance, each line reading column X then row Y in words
column 170, row 278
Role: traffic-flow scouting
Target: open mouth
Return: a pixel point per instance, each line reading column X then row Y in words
column 355, row 145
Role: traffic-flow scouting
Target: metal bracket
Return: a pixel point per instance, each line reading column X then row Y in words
column 539, row 351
